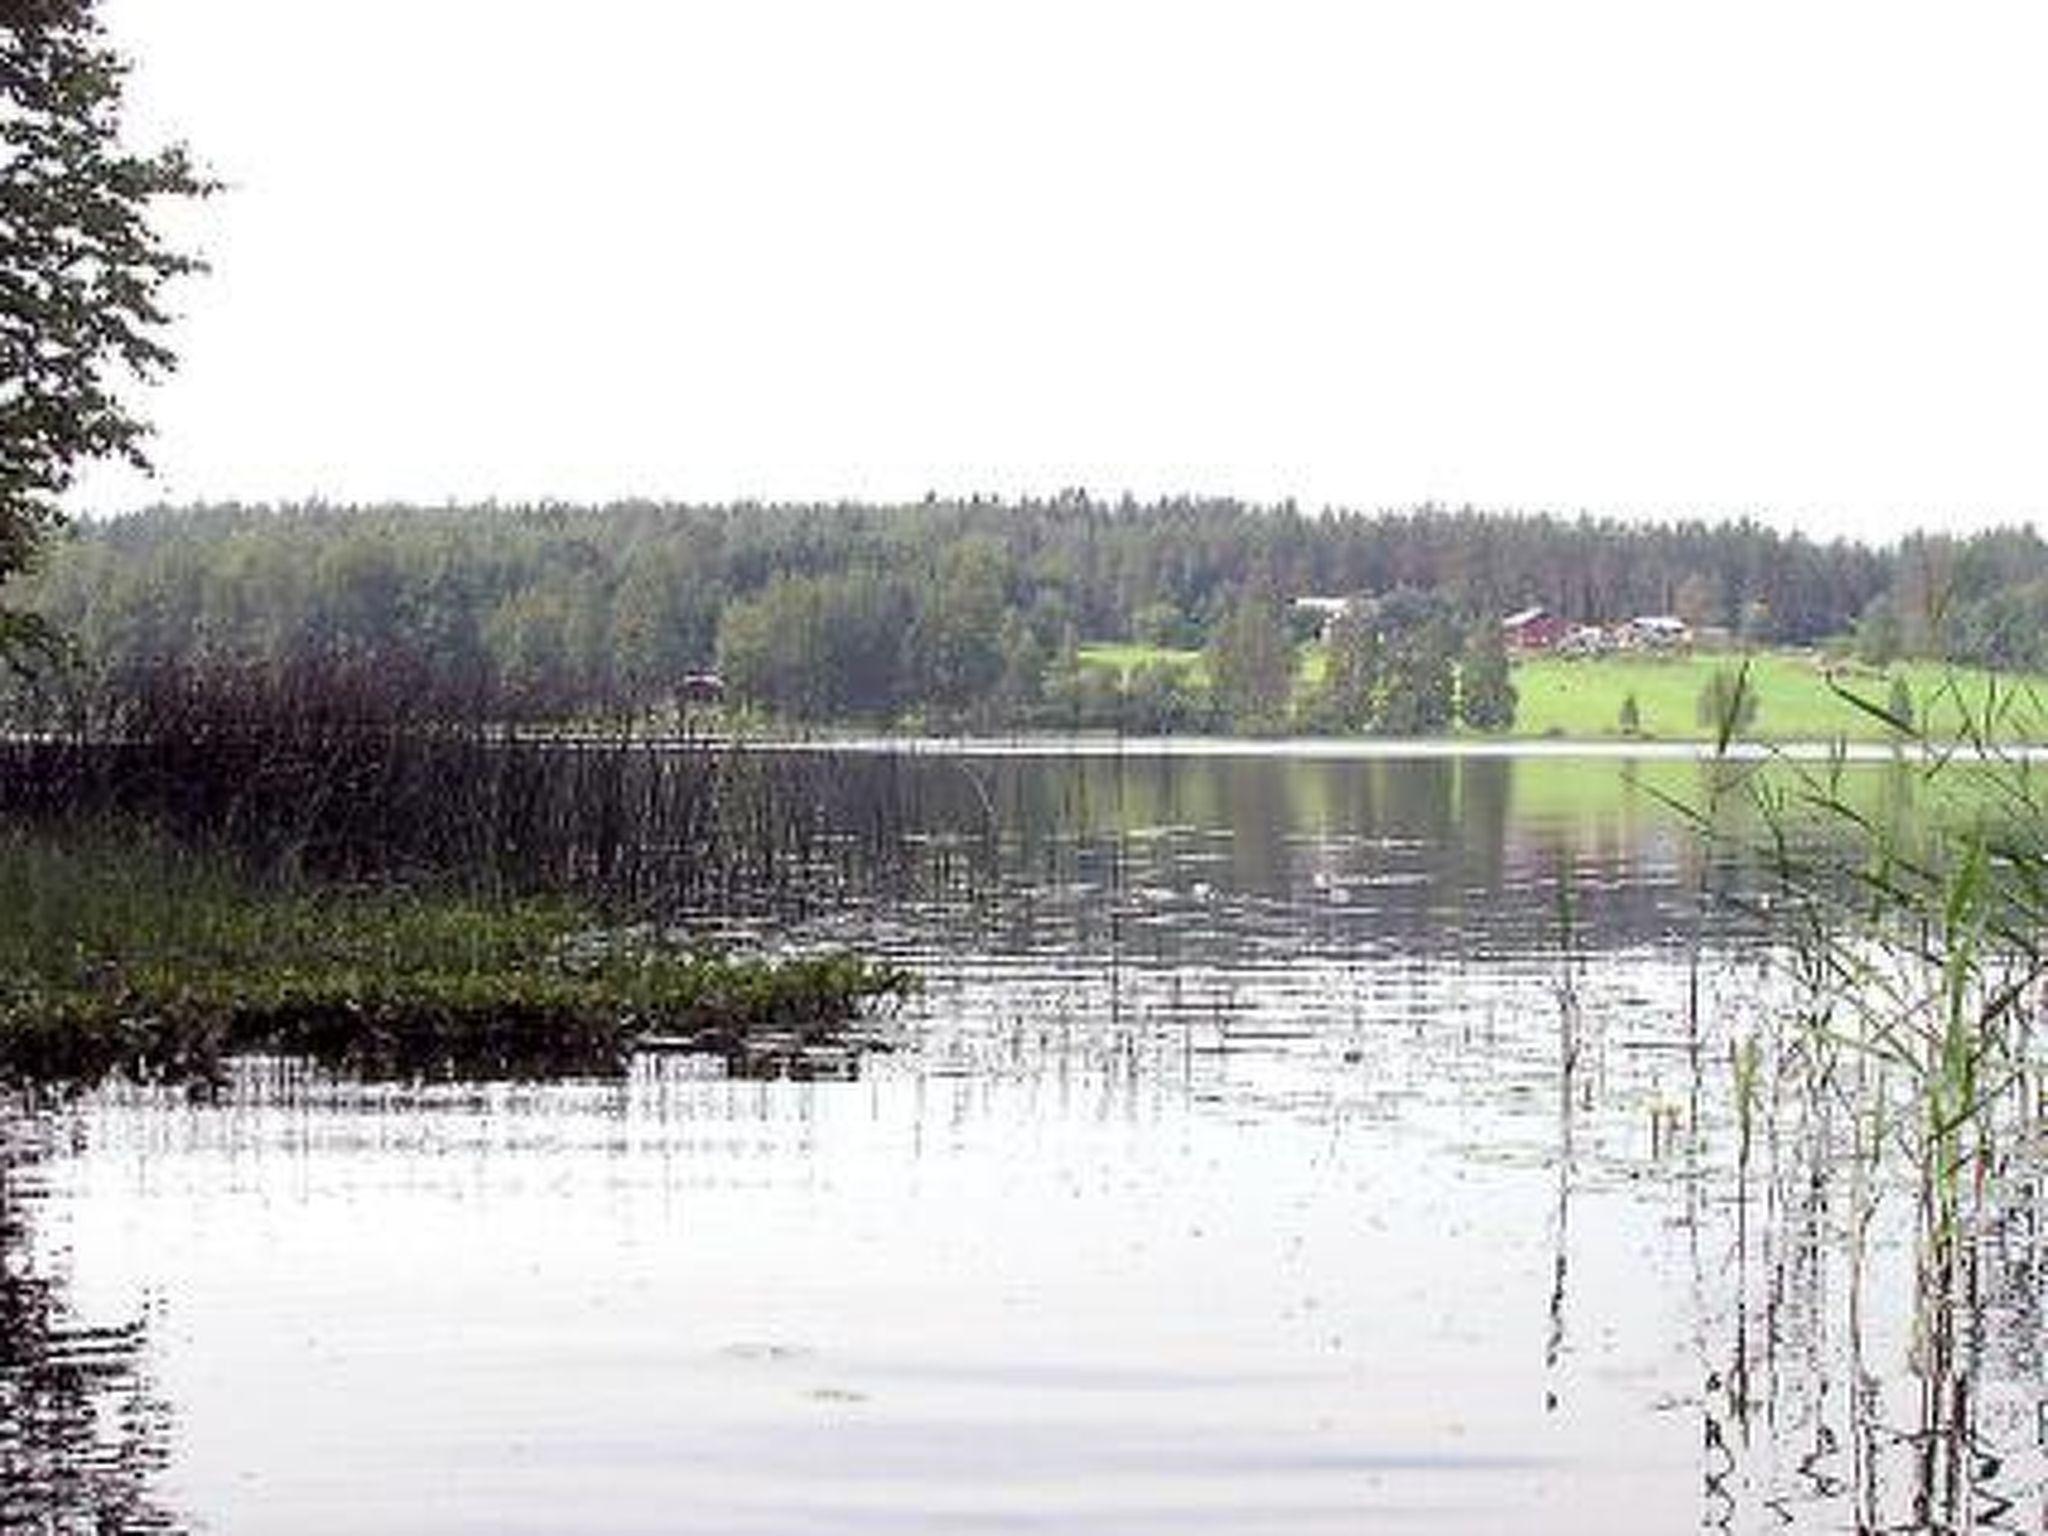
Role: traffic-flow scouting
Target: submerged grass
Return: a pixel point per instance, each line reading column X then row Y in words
column 122, row 950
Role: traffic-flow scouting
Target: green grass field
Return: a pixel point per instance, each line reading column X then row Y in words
column 1582, row 699
column 1127, row 658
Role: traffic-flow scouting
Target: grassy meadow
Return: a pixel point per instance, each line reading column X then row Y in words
column 1581, row 699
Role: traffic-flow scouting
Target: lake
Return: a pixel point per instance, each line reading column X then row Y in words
column 1278, row 1145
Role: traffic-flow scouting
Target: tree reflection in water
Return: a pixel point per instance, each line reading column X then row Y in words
column 1829, row 1405
column 82, row 1435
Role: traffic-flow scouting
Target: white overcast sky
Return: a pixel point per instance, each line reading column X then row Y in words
column 1782, row 258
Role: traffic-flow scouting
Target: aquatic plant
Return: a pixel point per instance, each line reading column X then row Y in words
column 344, row 769
column 124, row 951
column 1910, row 931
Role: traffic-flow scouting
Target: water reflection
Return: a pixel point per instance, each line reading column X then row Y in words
column 1165, row 861
column 1268, row 1152
column 1873, row 1355
column 82, row 1434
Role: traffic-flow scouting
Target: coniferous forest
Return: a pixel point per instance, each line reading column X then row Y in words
column 975, row 614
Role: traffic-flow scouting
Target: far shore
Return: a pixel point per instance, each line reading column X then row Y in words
column 1367, row 748
column 1107, row 744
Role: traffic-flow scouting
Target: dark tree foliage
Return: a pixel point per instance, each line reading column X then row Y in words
column 1486, row 689
column 82, row 271
column 1160, row 699
column 822, row 647
column 1419, row 650
column 1251, row 666
column 970, row 614
column 1394, row 669
column 1348, row 701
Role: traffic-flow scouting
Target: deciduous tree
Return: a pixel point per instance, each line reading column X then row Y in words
column 1486, row 689
column 82, row 270
column 1251, row 667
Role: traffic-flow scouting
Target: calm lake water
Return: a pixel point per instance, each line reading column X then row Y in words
column 1273, row 1149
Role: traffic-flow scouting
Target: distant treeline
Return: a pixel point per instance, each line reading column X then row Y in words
column 969, row 613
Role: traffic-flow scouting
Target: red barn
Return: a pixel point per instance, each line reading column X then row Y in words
column 1533, row 629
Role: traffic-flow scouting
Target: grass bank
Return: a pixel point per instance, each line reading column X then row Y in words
column 122, row 951
column 1584, row 699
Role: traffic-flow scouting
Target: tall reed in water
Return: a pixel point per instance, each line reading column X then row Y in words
column 1912, row 927
column 343, row 769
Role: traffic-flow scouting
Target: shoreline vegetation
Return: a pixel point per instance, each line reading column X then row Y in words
column 983, row 617
column 1909, row 941
column 214, row 861
column 1802, row 703
column 492, row 749
column 1799, row 697
column 126, row 953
